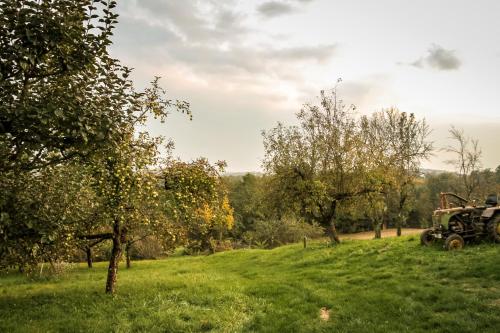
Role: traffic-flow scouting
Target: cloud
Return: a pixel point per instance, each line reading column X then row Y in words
column 438, row 58
column 270, row 9
column 274, row 8
column 419, row 63
column 319, row 53
column 207, row 21
column 443, row 59
column 210, row 40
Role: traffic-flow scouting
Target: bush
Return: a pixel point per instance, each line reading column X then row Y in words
column 48, row 270
column 272, row 233
column 222, row 245
column 149, row 248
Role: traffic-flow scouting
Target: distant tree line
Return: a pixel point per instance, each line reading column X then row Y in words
column 257, row 223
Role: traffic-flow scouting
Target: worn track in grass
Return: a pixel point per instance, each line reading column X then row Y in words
column 385, row 234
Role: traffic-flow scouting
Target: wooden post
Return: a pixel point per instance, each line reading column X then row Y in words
column 305, row 242
column 88, row 251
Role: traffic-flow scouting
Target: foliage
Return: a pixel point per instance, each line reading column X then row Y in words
column 488, row 183
column 398, row 142
column 246, row 195
column 61, row 93
column 196, row 198
column 320, row 164
column 47, row 209
column 273, row 233
column 376, row 211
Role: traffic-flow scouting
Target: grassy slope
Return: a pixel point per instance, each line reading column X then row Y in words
column 389, row 285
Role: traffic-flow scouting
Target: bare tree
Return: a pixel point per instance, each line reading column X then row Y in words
column 467, row 160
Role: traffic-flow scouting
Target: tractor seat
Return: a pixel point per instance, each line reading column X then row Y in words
column 492, row 200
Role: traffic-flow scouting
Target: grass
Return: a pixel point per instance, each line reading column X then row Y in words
column 388, row 285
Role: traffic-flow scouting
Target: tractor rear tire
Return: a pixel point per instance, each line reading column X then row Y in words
column 494, row 228
column 427, row 238
column 454, row 242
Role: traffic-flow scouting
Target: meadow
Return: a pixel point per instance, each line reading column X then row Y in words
column 386, row 285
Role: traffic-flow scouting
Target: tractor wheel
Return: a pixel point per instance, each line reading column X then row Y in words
column 494, row 228
column 427, row 238
column 454, row 242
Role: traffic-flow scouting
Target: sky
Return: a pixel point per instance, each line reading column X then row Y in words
column 245, row 65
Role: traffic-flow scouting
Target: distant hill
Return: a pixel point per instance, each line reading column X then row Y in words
column 241, row 174
column 432, row 172
column 259, row 173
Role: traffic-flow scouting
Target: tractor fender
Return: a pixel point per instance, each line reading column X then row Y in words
column 489, row 212
column 443, row 216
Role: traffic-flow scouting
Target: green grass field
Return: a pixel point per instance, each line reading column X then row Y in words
column 388, row 285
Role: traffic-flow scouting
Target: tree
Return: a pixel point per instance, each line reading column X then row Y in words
column 92, row 231
column 127, row 186
column 197, row 199
column 467, row 160
column 321, row 163
column 376, row 211
column 486, row 184
column 62, row 95
column 423, row 204
column 399, row 142
column 246, row 195
column 47, row 210
column 64, row 99
column 442, row 182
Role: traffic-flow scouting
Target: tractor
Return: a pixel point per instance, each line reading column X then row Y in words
column 458, row 221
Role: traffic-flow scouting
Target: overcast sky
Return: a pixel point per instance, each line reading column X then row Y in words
column 244, row 65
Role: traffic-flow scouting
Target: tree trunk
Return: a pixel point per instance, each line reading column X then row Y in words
column 116, row 254
column 332, row 232
column 378, row 232
column 127, row 254
column 401, row 217
column 88, row 251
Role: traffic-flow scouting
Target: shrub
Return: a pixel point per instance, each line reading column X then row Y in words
column 272, row 233
column 149, row 248
column 48, row 270
column 222, row 245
